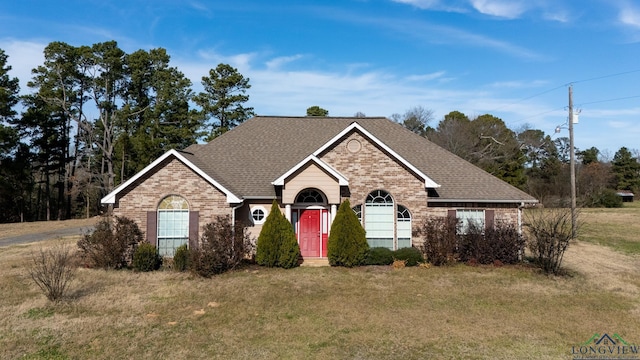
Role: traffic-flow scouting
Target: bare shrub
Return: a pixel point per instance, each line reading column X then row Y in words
column 550, row 233
column 502, row 242
column 111, row 245
column 439, row 240
column 222, row 248
column 53, row 270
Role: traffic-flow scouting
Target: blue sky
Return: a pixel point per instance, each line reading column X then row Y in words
column 510, row 58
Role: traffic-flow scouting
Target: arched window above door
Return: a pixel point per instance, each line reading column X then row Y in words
column 310, row 196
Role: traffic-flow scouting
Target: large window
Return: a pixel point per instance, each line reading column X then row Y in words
column 468, row 218
column 379, row 214
column 404, row 227
column 173, row 224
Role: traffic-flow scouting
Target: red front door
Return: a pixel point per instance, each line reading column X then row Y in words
column 309, row 233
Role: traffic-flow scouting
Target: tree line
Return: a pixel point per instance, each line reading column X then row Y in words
column 96, row 115
column 530, row 159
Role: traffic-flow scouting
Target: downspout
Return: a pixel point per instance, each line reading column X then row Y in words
column 520, row 207
column 233, row 218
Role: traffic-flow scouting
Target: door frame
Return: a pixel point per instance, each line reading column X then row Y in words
column 324, row 226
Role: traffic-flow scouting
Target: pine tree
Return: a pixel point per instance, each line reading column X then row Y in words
column 347, row 244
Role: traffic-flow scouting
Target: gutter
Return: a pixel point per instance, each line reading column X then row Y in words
column 439, row 200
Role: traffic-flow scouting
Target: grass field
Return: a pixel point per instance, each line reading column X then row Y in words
column 457, row 312
column 617, row 228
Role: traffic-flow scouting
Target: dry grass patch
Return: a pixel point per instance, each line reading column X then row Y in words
column 370, row 312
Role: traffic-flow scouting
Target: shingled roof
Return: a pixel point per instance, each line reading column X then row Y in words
column 247, row 159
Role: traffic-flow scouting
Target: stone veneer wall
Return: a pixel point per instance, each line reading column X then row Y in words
column 369, row 168
column 171, row 177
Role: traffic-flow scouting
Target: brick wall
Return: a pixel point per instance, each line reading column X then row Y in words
column 369, row 168
column 171, row 177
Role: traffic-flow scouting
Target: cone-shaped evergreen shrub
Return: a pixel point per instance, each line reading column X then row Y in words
column 347, row 244
column 277, row 244
column 289, row 254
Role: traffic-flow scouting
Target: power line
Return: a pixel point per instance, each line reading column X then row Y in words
column 565, row 85
column 605, row 76
column 616, row 99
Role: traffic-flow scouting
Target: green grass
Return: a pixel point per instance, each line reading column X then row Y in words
column 616, row 228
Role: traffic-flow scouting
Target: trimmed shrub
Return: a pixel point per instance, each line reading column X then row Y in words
column 277, row 244
column 439, row 240
column 146, row 258
column 379, row 256
column 53, row 270
column 111, row 246
column 347, row 245
column 410, row 255
column 223, row 246
column 181, row 258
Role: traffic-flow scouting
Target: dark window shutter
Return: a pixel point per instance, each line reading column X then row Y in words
column 152, row 228
column 194, row 217
column 452, row 214
column 488, row 218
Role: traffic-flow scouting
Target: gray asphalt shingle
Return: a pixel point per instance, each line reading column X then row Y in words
column 247, row 159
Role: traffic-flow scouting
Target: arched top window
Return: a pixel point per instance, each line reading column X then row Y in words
column 312, row 196
column 379, row 197
column 403, row 213
column 173, row 202
column 358, row 210
column 173, row 224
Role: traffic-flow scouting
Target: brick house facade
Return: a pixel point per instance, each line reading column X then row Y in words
column 393, row 178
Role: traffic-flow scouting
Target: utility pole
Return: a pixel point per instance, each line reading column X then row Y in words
column 572, row 161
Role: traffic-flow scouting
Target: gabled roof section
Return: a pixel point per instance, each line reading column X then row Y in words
column 342, row 180
column 428, row 182
column 246, row 160
column 182, row 157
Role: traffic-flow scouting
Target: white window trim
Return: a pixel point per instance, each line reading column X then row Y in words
column 264, row 210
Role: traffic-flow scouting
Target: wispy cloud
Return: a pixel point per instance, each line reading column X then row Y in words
column 629, row 15
column 433, row 33
column 446, row 5
column 519, row 84
column 505, row 9
column 509, row 9
column 23, row 57
column 426, row 77
column 283, row 60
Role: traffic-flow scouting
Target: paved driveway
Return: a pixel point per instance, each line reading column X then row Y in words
column 46, row 235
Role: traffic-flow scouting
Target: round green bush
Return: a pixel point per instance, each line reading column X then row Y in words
column 181, row 258
column 379, row 256
column 146, row 258
column 412, row 255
